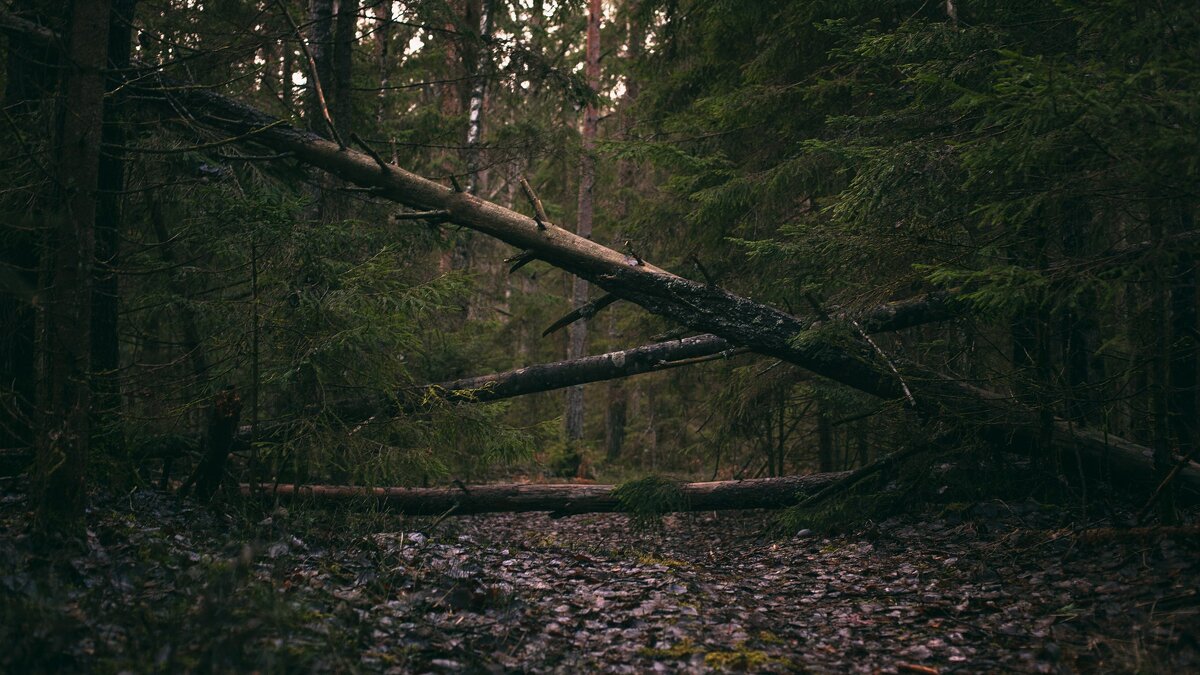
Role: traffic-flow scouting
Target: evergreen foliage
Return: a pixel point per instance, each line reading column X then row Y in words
column 647, row 499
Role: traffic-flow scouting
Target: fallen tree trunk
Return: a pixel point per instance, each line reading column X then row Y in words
column 701, row 307
column 561, row 374
column 559, row 499
column 888, row 317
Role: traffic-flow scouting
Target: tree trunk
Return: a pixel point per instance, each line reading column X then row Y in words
column 475, row 108
column 222, row 429
column 341, row 65
column 455, row 94
column 862, row 433
column 106, row 355
column 577, row 332
column 1185, row 342
column 287, row 70
column 824, row 439
column 560, row 500
column 383, row 40
column 615, row 415
column 64, row 348
column 31, row 81
column 320, row 43
column 615, row 412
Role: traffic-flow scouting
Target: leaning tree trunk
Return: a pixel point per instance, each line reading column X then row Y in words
column 560, row 500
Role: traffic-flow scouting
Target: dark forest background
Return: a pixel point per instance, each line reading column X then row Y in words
column 1031, row 164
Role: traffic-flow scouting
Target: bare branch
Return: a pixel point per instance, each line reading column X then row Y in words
column 539, row 213
column 583, row 312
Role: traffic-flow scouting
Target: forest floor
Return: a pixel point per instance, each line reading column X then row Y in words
column 166, row 586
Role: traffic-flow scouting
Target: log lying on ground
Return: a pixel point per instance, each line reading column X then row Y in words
column 559, row 499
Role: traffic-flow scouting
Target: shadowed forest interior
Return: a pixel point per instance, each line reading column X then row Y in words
column 609, row 335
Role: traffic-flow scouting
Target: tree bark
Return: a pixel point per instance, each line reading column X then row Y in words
column 342, row 63
column 617, row 404
column 475, row 108
column 824, row 438
column 574, row 372
column 577, row 331
column 561, row 499
column 320, row 43
column 64, row 348
column 1182, row 402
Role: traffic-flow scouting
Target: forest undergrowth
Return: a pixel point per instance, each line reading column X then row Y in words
column 941, row 584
